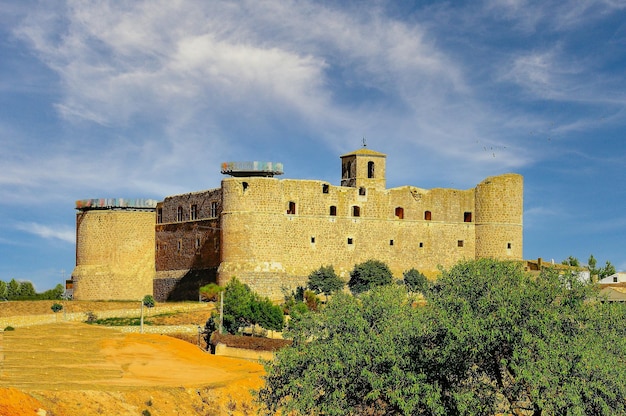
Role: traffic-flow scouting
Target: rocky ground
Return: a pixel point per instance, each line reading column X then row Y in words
column 79, row 369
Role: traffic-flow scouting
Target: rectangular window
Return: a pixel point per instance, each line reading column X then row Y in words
column 421, row 245
column 350, row 241
column 467, row 217
column 390, row 242
column 179, row 214
column 194, row 212
column 292, row 208
column 180, row 246
column 508, row 246
column 325, row 188
column 197, row 243
column 459, row 243
column 213, row 209
column 159, row 215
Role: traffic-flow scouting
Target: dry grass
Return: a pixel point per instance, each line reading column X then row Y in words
column 42, row 307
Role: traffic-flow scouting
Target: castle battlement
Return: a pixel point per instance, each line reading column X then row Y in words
column 272, row 233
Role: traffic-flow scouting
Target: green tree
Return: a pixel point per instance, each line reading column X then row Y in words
column 325, row 280
column 492, row 338
column 148, row 301
column 244, row 307
column 13, row 289
column 368, row 275
column 3, row 290
column 571, row 261
column 592, row 262
column 352, row 358
column 415, row 281
column 26, row 291
column 607, row 270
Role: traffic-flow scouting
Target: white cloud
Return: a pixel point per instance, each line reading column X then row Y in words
column 62, row 232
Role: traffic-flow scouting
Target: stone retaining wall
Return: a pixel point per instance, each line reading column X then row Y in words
column 226, row 351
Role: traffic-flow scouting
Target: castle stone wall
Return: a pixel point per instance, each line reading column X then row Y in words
column 114, row 254
column 275, row 232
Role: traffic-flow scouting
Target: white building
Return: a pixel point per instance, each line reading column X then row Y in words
column 619, row 277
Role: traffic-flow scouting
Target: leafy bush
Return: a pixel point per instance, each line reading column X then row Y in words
column 148, row 301
column 9, row 328
column 243, row 307
column 325, row 280
column 415, row 281
column 56, row 307
column 211, row 292
column 368, row 275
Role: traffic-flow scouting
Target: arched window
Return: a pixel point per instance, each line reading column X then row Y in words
column 333, row 211
column 179, row 214
column 370, row 170
column 292, row 208
column 427, row 215
column 356, row 211
column 400, row 213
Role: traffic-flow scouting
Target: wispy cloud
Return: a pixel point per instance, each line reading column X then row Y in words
column 61, row 232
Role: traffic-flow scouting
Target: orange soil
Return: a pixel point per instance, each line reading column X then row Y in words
column 72, row 368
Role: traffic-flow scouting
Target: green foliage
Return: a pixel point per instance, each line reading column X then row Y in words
column 415, row 281
column 211, row 292
column 243, row 307
column 353, row 357
column 368, row 275
column 600, row 272
column 571, row 261
column 492, row 338
column 118, row 321
column 52, row 294
column 607, row 270
column 56, row 307
column 9, row 328
column 13, row 289
column 325, row 280
column 148, row 301
column 26, row 291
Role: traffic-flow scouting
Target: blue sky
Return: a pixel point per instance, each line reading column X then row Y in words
column 143, row 99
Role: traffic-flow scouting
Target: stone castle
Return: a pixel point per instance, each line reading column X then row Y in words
column 272, row 233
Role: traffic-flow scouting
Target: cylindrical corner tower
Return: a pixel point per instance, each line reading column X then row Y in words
column 115, row 242
column 499, row 217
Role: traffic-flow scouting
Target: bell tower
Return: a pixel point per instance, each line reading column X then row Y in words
column 363, row 168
